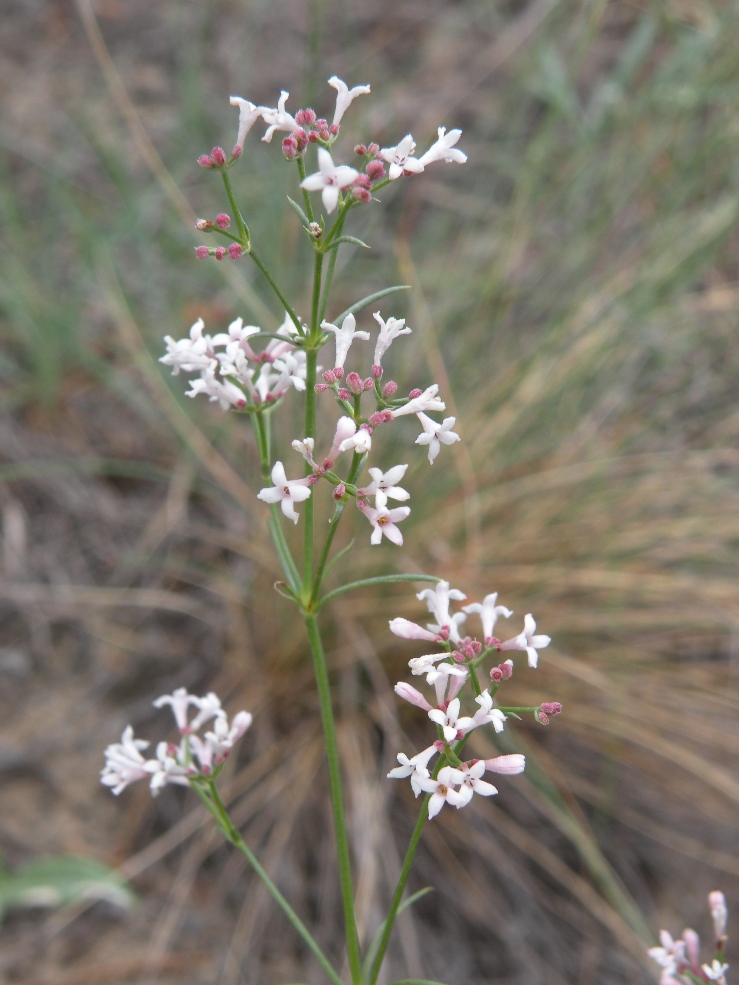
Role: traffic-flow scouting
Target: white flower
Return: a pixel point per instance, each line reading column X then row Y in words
column 345, row 428
column 508, row 765
column 360, row 442
column 383, row 522
column 410, row 694
column 444, row 674
column 473, row 782
column 168, row 767
column 124, row 763
column 236, row 340
column 528, row 641
column 277, row 119
column 719, row 913
column 344, row 336
column 389, row 331
column 437, row 600
column 285, row 491
column 329, row 179
column 400, row 160
column 248, row 116
column 226, row 393
column 428, row 400
column 489, row 613
column 487, row 713
column 416, row 768
column 305, row 448
column 383, row 486
column 192, row 354
column 670, row 954
column 443, row 149
column 435, row 435
column 180, row 701
column 715, row 971
column 442, row 789
column 208, row 707
column 344, row 97
column 292, row 369
column 408, row 630
column 420, row 665
column 217, row 746
column 452, row 726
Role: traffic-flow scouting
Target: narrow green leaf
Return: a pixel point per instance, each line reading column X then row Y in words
column 304, row 220
column 415, row 981
column 378, row 580
column 348, row 239
column 338, row 556
column 374, row 943
column 285, row 591
column 370, row 299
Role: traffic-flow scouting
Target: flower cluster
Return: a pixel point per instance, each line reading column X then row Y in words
column 457, row 663
column 680, row 959
column 194, row 757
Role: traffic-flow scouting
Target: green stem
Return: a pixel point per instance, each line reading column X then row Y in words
column 311, row 358
column 240, row 224
column 377, row 580
column 475, row 680
column 338, row 222
column 337, row 799
column 215, row 805
column 306, row 196
column 338, row 512
column 283, row 301
column 329, row 278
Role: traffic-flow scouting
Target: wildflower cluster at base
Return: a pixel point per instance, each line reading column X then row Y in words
column 459, row 662
column 193, row 758
column 680, row 959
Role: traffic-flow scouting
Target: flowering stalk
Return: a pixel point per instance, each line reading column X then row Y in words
column 230, row 371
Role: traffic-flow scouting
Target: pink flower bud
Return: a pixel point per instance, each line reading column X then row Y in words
column 362, row 195
column 290, row 148
column 339, row 372
column 373, row 149
column 692, row 947
column 219, row 253
column 375, row 169
column 508, row 765
column 477, row 647
column 321, row 124
column 493, row 642
column 439, row 745
column 305, row 116
column 219, row 156
column 339, row 491
column 377, row 372
column 223, row 221
column 369, row 383
column 344, row 394
column 361, row 150
column 329, row 376
column 390, row 389
column 203, row 224
column 201, row 252
column 354, row 382
column 457, row 656
column 362, row 181
column 541, row 717
column 313, row 479
column 237, row 152
column 414, row 393
column 719, row 913
column 313, row 137
column 410, row 694
column 321, row 387
column 507, row 668
column 316, row 230
column 377, row 418
column 235, row 251
column 496, row 675
column 551, row 708
column 206, row 161
column 333, row 129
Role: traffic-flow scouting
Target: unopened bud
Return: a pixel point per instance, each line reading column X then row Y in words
column 414, row 393
column 507, row 668
column 333, row 129
column 321, row 387
column 377, row 418
column 290, row 148
column 390, row 389
column 313, row 137
column 316, row 230
column 203, row 224
column 235, row 251
column 313, row 479
column 468, row 651
column 329, row 376
column 496, row 675
column 301, row 138
column 362, row 195
column 339, row 372
column 321, row 124
column 719, row 914
column 541, row 717
column 202, row 252
column 377, row 371
column 492, row 641
column 476, row 646
column 223, row 221
column 373, row 149
column 354, row 382
column 360, row 150
column 457, row 656
column 369, row 383
column 305, row 116
column 339, row 491
column 219, row 252
column 375, row 169
column 344, row 394
column 206, row 161
column 237, row 152
column 361, row 181
column 551, row 708
column 219, row 156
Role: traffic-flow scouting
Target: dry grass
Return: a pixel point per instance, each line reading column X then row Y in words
column 577, row 289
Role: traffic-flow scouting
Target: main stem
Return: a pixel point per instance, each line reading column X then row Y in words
column 337, row 800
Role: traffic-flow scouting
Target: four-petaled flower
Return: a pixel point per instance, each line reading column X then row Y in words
column 442, row 789
column 488, row 612
column 473, row 782
column 400, row 160
column 248, row 116
column 444, row 149
column 435, row 435
column 528, row 641
column 124, row 763
column 383, row 486
column 344, row 336
column 715, row 971
column 285, row 491
column 384, row 522
column 389, row 331
column 344, row 97
column 428, row 400
column 329, row 179
column 452, row 726
column 277, row 119
column 416, row 768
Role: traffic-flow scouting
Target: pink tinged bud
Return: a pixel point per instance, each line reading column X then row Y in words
column 496, row 675
column 313, row 479
column 410, row 694
column 408, row 630
column 290, row 148
column 369, row 383
column 329, row 376
column 373, row 149
column 457, row 656
column 202, row 252
column 339, row 491
column 321, row 387
column 541, row 717
column 507, row 668
column 439, row 745
column 219, row 253
column 344, row 394
column 509, row 765
column 321, row 124
column 551, row 708
column 305, row 116
column 206, row 161
column 235, row 251
column 492, row 641
column 339, row 372
column 375, row 169
column 203, row 224
column 692, row 948
column 719, row 913
column 223, row 221
column 360, row 149
column 219, row 156
column 313, row 137
column 237, row 152
column 354, row 382
column 361, row 195
column 301, row 138
column 362, row 181
column 333, row 129
column 377, row 418
column 414, row 393
column 377, row 372
column 390, row 389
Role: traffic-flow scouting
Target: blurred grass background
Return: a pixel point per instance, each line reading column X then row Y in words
column 575, row 289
